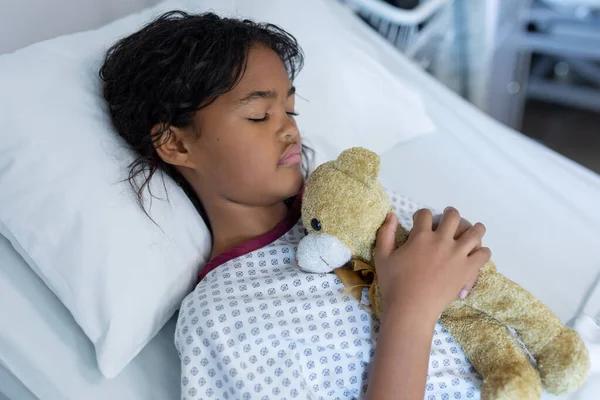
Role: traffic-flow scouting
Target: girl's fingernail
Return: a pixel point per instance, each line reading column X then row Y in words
column 464, row 293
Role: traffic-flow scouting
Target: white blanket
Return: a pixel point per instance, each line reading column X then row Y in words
column 257, row 327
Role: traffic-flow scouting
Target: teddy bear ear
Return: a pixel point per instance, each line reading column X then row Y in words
column 360, row 163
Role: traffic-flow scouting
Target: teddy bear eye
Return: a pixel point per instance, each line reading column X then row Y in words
column 316, row 224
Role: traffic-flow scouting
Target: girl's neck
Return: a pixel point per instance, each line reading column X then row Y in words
column 233, row 223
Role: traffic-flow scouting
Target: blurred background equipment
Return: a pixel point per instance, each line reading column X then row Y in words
column 562, row 101
column 533, row 65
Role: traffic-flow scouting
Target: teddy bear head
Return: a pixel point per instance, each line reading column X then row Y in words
column 343, row 206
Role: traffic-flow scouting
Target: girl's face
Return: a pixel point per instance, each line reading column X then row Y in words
column 247, row 145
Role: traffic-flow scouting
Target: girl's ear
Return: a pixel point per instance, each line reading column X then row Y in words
column 171, row 146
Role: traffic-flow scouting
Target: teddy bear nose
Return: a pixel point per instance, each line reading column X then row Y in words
column 316, row 224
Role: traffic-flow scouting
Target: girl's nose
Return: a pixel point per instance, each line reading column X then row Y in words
column 288, row 131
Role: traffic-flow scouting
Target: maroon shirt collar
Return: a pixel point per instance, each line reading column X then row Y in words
column 258, row 242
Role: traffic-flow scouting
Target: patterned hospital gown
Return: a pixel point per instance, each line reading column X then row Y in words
column 256, row 327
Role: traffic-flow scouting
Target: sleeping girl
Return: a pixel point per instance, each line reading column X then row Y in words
column 209, row 101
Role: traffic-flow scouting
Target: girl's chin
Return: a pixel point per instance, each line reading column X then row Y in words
column 294, row 180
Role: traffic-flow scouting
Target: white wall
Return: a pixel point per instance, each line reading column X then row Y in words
column 23, row 22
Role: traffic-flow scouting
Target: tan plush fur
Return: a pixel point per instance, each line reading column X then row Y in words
column 351, row 205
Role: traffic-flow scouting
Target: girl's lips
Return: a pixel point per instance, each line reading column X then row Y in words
column 292, row 155
column 291, row 159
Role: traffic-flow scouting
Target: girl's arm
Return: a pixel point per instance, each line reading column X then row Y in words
column 402, row 355
column 417, row 281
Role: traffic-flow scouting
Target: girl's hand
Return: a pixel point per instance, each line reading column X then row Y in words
column 432, row 267
column 463, row 226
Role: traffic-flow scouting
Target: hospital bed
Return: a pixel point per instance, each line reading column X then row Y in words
column 542, row 212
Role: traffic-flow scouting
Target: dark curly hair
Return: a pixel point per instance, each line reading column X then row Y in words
column 176, row 65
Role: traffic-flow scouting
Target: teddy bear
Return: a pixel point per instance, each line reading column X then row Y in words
column 343, row 206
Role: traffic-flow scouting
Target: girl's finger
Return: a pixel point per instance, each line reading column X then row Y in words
column 422, row 221
column 463, row 226
column 449, row 222
column 470, row 241
column 479, row 258
column 436, row 221
column 467, row 289
column 386, row 237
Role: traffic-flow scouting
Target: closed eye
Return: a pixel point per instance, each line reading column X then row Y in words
column 263, row 119
column 266, row 117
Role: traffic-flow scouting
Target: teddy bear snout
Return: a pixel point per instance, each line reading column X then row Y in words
column 321, row 253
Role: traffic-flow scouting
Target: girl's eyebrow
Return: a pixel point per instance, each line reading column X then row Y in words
column 263, row 94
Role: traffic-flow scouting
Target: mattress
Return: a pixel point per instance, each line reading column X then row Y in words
column 541, row 211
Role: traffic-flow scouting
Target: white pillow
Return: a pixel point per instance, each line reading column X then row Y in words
column 67, row 211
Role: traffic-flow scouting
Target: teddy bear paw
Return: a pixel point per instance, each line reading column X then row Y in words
column 519, row 381
column 564, row 363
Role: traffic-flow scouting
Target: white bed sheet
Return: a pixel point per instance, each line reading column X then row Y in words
column 541, row 211
column 47, row 351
